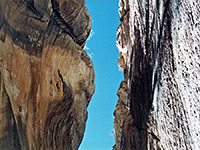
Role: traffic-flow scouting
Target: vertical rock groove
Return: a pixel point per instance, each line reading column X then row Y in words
column 159, row 42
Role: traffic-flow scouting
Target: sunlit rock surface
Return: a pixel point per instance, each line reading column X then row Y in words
column 46, row 79
column 159, row 44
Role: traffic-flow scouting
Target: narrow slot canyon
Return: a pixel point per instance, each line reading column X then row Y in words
column 99, row 75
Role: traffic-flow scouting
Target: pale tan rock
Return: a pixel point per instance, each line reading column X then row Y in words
column 159, row 41
column 120, row 113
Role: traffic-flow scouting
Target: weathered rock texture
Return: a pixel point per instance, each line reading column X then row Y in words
column 46, row 79
column 159, row 43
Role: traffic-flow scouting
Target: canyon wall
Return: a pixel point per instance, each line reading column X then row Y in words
column 159, row 99
column 46, row 78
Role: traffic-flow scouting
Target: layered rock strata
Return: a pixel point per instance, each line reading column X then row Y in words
column 46, row 78
column 159, row 44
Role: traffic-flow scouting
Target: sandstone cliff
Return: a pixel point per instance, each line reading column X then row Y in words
column 46, row 78
column 159, row 99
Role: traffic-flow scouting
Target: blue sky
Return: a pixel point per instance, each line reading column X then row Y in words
column 102, row 48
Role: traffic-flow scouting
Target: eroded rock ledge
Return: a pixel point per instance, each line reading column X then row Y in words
column 46, row 78
column 158, row 105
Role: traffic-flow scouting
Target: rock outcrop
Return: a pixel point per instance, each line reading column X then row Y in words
column 159, row 44
column 46, row 78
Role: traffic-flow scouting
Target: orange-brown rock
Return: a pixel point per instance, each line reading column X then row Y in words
column 46, row 78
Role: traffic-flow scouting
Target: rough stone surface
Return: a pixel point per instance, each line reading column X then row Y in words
column 46, row 79
column 159, row 44
column 121, row 111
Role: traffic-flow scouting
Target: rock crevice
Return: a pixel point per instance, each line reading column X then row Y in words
column 159, row 42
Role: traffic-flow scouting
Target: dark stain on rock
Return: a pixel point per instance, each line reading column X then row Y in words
column 57, row 86
column 20, row 108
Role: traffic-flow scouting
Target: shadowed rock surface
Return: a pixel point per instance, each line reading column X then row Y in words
column 46, row 78
column 159, row 44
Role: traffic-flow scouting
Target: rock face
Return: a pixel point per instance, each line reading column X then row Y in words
column 46, row 78
column 159, row 44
